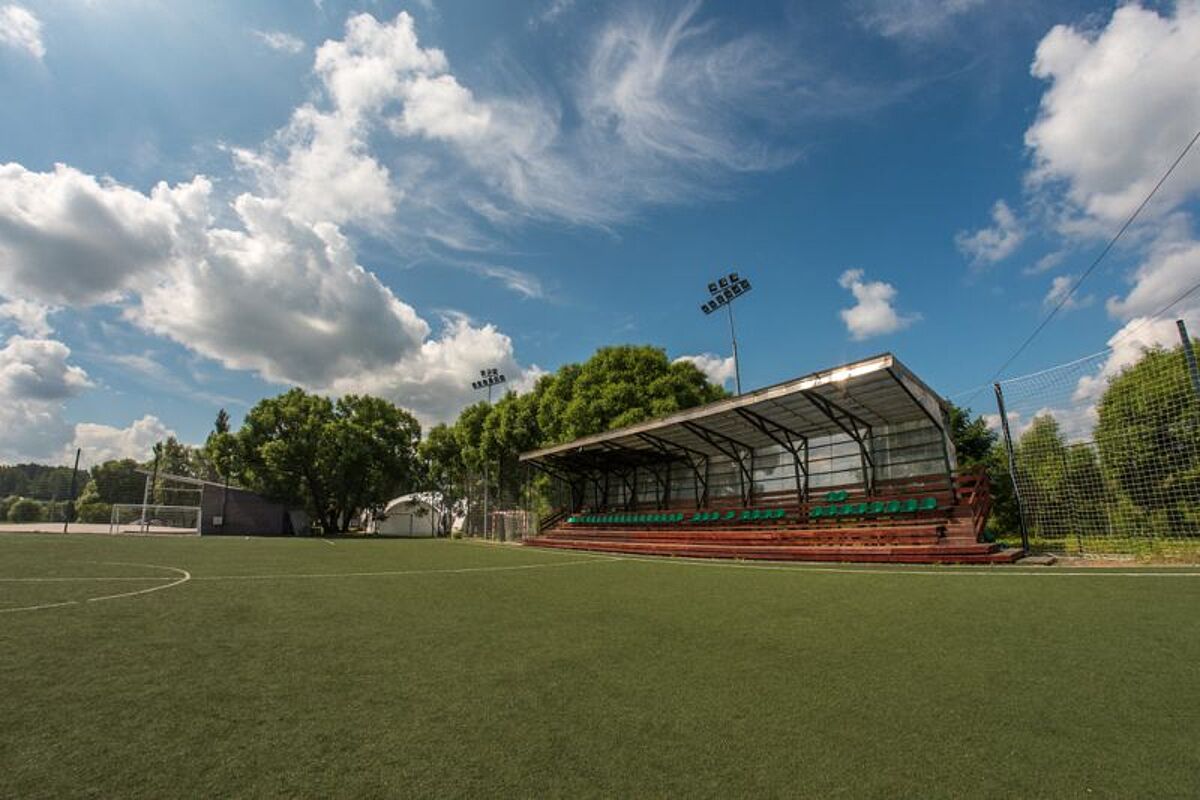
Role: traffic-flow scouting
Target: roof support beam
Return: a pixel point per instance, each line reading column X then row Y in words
column 941, row 428
column 782, row 436
column 689, row 456
column 745, row 476
column 849, row 423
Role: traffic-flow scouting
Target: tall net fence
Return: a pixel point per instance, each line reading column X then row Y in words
column 1106, row 453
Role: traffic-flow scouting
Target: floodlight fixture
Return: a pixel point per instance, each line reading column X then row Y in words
column 722, row 292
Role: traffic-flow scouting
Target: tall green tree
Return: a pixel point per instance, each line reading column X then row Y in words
column 334, row 459
column 221, row 452
column 119, row 481
column 973, row 439
column 444, row 474
column 1041, row 456
column 629, row 384
column 1148, row 434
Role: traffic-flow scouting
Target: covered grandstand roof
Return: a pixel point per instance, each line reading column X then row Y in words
column 850, row 399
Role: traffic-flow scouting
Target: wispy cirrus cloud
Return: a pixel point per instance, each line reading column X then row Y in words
column 283, row 42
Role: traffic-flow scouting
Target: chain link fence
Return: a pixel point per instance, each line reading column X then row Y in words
column 1105, row 452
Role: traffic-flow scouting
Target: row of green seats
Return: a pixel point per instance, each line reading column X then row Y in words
column 746, row 515
column 836, row 497
column 910, row 506
column 626, row 519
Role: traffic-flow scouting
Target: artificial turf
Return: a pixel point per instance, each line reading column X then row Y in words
column 273, row 672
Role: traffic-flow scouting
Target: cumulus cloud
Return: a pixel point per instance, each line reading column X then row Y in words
column 31, row 319
column 281, row 298
column 873, row 313
column 100, row 443
column 1170, row 266
column 994, row 243
column 283, row 42
column 67, row 238
column 20, row 29
column 434, row 380
column 35, row 380
column 1144, row 64
column 718, row 370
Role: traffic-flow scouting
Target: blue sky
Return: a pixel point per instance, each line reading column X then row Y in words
column 386, row 197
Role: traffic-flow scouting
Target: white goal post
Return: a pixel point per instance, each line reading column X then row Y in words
column 145, row 518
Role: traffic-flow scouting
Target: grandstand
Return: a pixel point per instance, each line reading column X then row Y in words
column 853, row 463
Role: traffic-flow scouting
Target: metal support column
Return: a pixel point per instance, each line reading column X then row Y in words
column 1189, row 356
column 1012, row 466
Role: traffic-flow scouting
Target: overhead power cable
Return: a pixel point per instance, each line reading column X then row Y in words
column 1095, row 263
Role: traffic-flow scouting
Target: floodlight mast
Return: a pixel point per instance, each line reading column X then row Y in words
column 487, row 379
column 723, row 292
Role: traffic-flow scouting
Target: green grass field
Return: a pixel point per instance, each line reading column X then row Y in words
column 393, row 668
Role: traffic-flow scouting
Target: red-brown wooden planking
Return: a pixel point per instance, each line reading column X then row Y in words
column 976, row 553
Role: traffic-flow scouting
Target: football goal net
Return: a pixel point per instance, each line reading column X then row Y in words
column 141, row 518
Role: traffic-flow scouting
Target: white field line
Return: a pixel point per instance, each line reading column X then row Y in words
column 83, row 579
column 969, row 571
column 186, row 576
column 326, row 541
column 392, row 573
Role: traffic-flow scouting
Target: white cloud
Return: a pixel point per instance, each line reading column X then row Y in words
column 32, row 319
column 1170, row 267
column 37, row 369
column 912, row 19
column 553, row 10
column 665, row 102
column 101, row 443
column 283, row 42
column 873, row 313
column 720, row 371
column 19, row 28
column 1058, row 292
column 435, row 380
column 35, row 380
column 996, row 242
column 320, row 166
column 1122, row 103
column 67, row 238
column 281, row 298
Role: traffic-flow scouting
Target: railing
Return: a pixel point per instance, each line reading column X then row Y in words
column 975, row 487
column 551, row 519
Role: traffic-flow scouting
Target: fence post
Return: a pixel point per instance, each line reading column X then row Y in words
column 70, row 510
column 1189, row 356
column 1012, row 466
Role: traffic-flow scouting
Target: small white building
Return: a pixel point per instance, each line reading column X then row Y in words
column 414, row 515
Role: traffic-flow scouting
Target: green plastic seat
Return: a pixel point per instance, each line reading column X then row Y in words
column 815, row 512
column 892, row 507
column 875, row 507
column 910, row 506
column 928, row 504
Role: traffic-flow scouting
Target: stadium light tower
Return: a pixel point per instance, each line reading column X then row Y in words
column 722, row 292
column 487, row 379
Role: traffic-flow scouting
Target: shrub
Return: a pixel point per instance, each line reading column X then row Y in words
column 5, row 503
column 95, row 512
column 25, row 510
